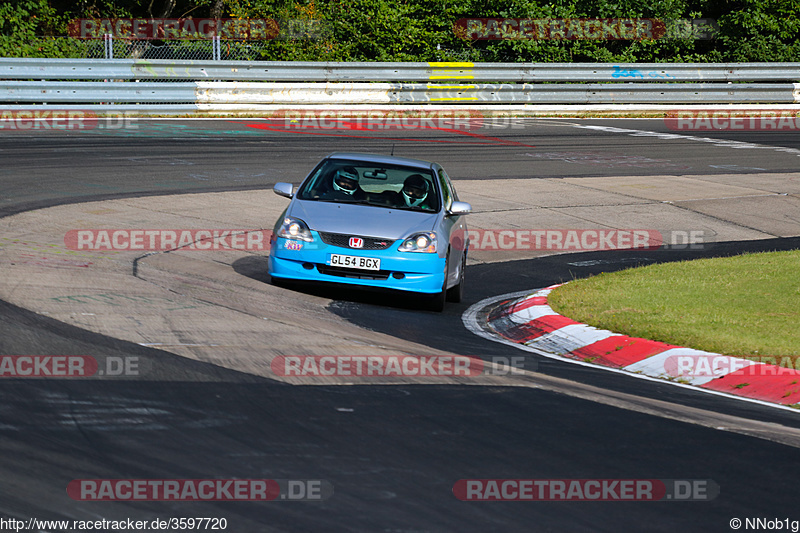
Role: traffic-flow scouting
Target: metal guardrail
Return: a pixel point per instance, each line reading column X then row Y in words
column 594, row 93
column 265, row 83
column 388, row 93
column 89, row 91
column 130, row 69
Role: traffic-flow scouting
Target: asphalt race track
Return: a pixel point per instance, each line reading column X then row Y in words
column 394, row 452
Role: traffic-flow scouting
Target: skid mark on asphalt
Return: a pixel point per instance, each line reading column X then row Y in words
column 609, row 160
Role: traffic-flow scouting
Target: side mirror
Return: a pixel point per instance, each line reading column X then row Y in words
column 283, row 189
column 459, row 208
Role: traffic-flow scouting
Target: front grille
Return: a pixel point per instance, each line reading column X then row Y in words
column 353, row 272
column 342, row 240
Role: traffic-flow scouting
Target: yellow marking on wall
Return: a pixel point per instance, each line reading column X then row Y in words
column 451, row 71
column 451, row 64
column 451, row 77
column 451, row 86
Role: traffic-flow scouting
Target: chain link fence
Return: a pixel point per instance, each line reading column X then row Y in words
column 201, row 49
column 184, row 49
column 206, row 40
column 115, row 48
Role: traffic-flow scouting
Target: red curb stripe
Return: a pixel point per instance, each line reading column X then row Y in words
column 761, row 382
column 525, row 304
column 552, row 322
column 620, row 350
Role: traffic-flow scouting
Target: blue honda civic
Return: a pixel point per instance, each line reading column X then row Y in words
column 374, row 221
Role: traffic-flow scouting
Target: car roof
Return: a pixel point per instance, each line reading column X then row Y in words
column 381, row 159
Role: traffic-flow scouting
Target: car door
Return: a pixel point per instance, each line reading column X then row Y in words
column 455, row 227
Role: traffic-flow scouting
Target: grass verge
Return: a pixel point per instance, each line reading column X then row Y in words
column 747, row 305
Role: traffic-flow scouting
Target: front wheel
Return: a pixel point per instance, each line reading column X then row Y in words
column 456, row 292
column 436, row 301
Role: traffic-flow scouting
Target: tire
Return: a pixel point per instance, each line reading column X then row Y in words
column 456, row 292
column 436, row 302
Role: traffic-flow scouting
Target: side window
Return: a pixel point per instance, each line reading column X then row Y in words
column 444, row 184
column 452, row 188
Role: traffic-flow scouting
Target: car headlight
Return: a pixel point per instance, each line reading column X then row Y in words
column 420, row 242
column 295, row 229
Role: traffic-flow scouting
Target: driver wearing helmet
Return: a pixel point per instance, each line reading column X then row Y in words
column 345, row 184
column 416, row 192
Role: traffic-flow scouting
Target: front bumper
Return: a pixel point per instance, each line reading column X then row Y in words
column 310, row 261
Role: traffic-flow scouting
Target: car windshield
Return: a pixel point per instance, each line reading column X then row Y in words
column 380, row 185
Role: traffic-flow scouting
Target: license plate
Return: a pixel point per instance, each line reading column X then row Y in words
column 351, row 261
